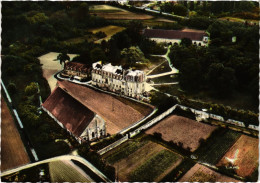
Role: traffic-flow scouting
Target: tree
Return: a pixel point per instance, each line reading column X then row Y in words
column 62, row 57
column 190, row 75
column 11, row 88
column 133, row 55
column 186, row 42
column 97, row 54
column 221, row 79
column 82, row 12
column 179, row 9
column 31, row 89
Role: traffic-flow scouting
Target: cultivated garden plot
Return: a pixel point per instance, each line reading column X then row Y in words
column 67, row 171
column 142, row 160
column 13, row 153
column 118, row 113
column 51, row 67
column 110, row 12
column 200, row 173
column 217, row 145
column 242, row 157
column 182, row 131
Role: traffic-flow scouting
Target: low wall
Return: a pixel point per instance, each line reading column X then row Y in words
column 153, row 121
column 112, row 146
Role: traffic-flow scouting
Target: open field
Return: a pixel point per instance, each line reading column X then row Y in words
column 13, row 153
column 67, row 171
column 200, row 173
column 244, row 154
column 217, row 145
column 142, row 160
column 182, row 130
column 109, row 30
column 51, row 67
column 117, row 113
column 110, row 12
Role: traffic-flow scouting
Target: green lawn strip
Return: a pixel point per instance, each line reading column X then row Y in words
column 125, row 150
column 166, row 79
column 161, row 69
column 154, row 166
column 217, row 145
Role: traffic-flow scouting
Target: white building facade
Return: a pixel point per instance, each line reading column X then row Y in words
column 116, row 79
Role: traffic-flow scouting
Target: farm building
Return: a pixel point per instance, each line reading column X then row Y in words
column 174, row 36
column 115, row 78
column 77, row 70
column 77, row 119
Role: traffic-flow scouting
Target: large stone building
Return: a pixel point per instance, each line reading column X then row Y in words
column 174, row 36
column 115, row 78
column 77, row 119
column 77, row 70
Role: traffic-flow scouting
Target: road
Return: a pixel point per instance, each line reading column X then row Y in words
column 60, row 158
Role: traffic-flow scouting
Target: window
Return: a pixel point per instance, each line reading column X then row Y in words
column 101, row 132
column 93, row 134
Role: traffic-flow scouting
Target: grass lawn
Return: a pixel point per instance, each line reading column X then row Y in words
column 161, row 69
column 217, row 145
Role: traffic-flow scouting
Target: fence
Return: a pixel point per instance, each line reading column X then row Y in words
column 112, row 146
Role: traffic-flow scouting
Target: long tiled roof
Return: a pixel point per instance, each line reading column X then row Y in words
column 173, row 34
column 72, row 114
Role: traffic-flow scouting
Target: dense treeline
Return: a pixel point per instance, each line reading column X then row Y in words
column 229, row 63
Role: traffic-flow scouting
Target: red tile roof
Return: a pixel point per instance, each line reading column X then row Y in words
column 76, row 66
column 72, row 114
column 174, row 34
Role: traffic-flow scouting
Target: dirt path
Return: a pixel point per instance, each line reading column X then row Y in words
column 13, row 153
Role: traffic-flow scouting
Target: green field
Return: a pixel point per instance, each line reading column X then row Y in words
column 154, row 166
column 217, row 145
